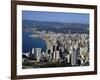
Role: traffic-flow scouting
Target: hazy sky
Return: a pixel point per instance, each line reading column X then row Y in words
column 56, row 16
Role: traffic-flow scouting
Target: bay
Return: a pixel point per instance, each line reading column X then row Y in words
column 31, row 42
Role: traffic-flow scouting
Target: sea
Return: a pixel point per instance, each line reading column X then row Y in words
column 31, row 42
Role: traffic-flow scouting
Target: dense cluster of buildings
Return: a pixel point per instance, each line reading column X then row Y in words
column 66, row 48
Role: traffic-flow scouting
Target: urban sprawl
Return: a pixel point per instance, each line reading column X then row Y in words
column 62, row 48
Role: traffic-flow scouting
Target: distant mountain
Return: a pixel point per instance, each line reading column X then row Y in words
column 56, row 26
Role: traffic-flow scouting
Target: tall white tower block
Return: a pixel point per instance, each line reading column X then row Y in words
column 73, row 55
column 37, row 52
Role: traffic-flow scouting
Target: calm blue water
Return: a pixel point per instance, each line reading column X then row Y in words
column 29, row 42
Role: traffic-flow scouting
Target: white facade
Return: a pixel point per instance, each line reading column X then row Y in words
column 68, row 58
column 83, row 50
column 32, row 50
column 73, row 55
column 56, row 55
column 37, row 52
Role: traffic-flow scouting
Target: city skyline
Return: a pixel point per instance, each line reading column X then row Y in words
column 53, row 44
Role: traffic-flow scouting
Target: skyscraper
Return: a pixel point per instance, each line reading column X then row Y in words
column 32, row 50
column 73, row 55
column 37, row 53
